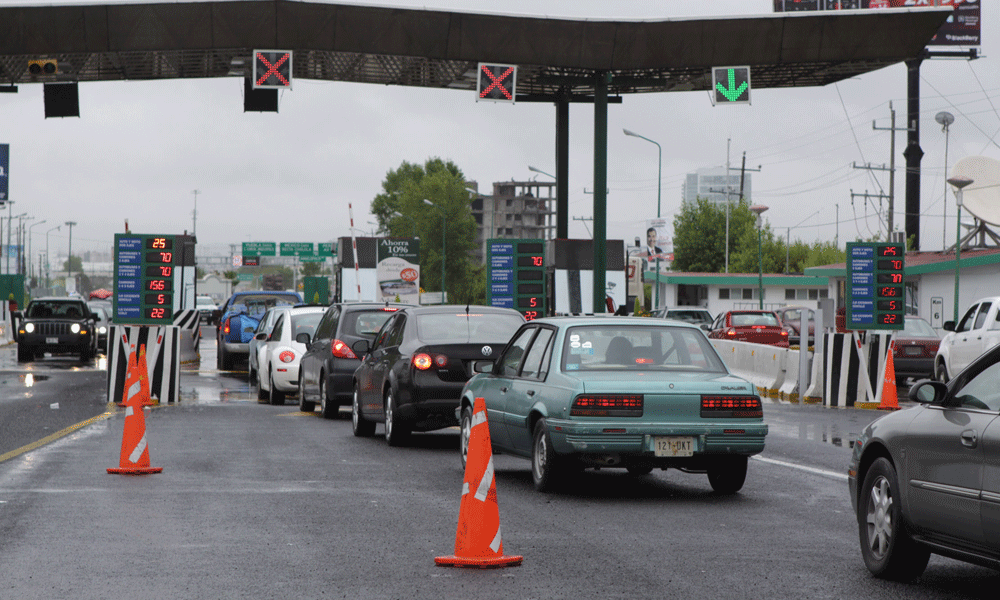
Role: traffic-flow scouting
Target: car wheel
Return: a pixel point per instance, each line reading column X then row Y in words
column 328, row 409
column 304, row 405
column 277, row 396
column 466, row 434
column 888, row 551
column 546, row 466
column 253, row 374
column 639, row 469
column 262, row 394
column 941, row 371
column 361, row 427
column 396, row 431
column 25, row 353
column 218, row 355
column 727, row 474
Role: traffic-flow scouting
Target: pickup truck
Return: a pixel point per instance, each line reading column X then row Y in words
column 977, row 332
column 238, row 319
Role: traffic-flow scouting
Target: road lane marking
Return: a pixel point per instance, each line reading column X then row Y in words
column 109, row 411
column 813, row 470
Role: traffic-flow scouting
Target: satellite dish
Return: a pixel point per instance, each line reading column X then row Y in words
column 982, row 197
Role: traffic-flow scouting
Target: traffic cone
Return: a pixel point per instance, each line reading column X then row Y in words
column 889, row 399
column 135, row 450
column 478, row 542
column 145, row 398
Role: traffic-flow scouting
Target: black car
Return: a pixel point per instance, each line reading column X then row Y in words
column 57, row 326
column 412, row 375
column 326, row 370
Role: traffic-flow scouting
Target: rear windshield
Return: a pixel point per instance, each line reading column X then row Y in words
column 748, row 319
column 259, row 303
column 689, row 316
column 918, row 327
column 55, row 310
column 364, row 323
column 464, row 328
column 305, row 323
column 611, row 347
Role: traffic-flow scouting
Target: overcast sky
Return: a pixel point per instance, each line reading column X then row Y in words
column 140, row 149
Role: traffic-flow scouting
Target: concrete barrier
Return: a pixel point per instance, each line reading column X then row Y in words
column 789, row 388
column 189, row 323
column 770, row 364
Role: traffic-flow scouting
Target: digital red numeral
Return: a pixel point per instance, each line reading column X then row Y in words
column 537, row 260
column 897, row 277
column 888, row 292
column 161, row 299
column 159, row 243
column 157, row 284
column 157, row 313
column 534, row 302
column 167, row 256
column 889, row 319
column 889, row 251
column 165, row 271
column 530, row 315
column 897, row 264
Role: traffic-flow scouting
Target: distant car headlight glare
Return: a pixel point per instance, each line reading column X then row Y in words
column 75, row 328
column 102, row 330
column 29, row 327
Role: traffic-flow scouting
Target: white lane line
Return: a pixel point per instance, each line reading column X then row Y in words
column 813, row 470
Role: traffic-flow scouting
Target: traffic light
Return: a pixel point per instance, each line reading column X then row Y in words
column 272, row 69
column 497, row 82
column 731, row 85
column 43, row 66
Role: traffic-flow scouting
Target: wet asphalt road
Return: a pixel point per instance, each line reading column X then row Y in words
column 260, row 501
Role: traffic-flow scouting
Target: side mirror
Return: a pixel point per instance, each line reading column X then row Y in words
column 927, row 391
column 260, row 337
column 482, row 366
column 216, row 315
column 706, row 326
column 948, row 326
column 16, row 314
column 361, row 347
column 302, row 338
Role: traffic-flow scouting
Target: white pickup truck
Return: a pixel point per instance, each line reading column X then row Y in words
column 977, row 332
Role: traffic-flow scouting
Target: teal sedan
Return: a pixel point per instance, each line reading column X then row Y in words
column 640, row 394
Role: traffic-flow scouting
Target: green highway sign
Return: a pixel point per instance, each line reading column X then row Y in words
column 327, row 249
column 244, row 276
column 297, row 249
column 731, row 85
column 307, row 258
column 258, row 248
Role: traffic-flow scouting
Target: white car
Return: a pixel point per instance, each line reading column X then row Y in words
column 279, row 354
column 977, row 332
column 205, row 307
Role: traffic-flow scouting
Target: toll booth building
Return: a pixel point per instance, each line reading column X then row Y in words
column 929, row 280
column 719, row 292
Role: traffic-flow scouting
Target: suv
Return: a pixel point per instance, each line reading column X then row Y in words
column 238, row 319
column 977, row 332
column 205, row 307
column 56, row 325
column 327, row 367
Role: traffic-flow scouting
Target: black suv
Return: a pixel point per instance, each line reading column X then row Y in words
column 327, row 367
column 56, row 325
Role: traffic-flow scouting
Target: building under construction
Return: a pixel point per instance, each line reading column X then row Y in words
column 516, row 210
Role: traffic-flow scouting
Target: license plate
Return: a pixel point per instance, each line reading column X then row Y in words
column 51, row 340
column 913, row 350
column 673, row 446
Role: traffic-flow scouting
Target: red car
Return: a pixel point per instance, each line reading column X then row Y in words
column 757, row 326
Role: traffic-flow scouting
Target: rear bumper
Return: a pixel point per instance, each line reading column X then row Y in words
column 599, row 437
column 919, row 368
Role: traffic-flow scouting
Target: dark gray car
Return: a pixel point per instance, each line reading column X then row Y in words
column 926, row 480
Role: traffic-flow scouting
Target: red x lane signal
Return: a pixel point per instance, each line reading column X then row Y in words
column 496, row 82
column 272, row 69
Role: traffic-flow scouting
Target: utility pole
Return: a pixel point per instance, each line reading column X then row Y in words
column 194, row 215
column 866, row 196
column 729, row 193
column 870, row 167
column 892, row 160
column 585, row 219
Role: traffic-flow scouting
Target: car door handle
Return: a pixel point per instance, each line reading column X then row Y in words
column 530, row 393
column 969, row 438
column 503, row 390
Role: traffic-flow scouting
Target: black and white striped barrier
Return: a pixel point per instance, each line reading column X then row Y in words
column 189, row 322
column 162, row 359
column 853, row 368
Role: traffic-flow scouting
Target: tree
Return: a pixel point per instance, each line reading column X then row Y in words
column 74, row 264
column 700, row 236
column 311, row 269
column 443, row 184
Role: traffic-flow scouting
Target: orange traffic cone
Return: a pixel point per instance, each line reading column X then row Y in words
column 135, row 450
column 477, row 541
column 889, row 399
column 144, row 377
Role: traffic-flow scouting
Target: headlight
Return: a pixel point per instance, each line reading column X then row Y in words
column 29, row 327
column 75, row 328
column 102, row 330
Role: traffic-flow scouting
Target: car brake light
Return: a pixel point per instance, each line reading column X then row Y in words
column 607, row 405
column 287, row 356
column 745, row 407
column 389, row 309
column 341, row 350
column 440, row 361
column 225, row 328
column 731, row 332
column 422, row 361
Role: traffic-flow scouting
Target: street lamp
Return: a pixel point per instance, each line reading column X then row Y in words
column 537, row 170
column 194, row 214
column 29, row 244
column 959, row 183
column 659, row 179
column 69, row 259
column 20, row 243
column 945, row 119
column 758, row 209
column 48, row 263
column 444, row 223
column 788, row 237
column 9, row 239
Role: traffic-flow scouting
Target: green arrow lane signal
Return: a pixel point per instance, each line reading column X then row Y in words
column 731, row 85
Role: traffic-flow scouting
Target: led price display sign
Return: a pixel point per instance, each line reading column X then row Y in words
column 145, row 269
column 875, row 285
column 516, row 272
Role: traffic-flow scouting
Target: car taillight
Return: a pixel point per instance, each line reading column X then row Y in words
column 225, row 327
column 287, row 356
column 424, row 361
column 731, row 332
column 607, row 405
column 745, row 407
column 341, row 350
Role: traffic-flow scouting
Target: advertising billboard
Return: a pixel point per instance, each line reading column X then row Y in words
column 398, row 270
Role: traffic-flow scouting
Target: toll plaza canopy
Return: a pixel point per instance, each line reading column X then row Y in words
column 436, row 48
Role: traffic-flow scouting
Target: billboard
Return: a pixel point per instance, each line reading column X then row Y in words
column 961, row 29
column 398, row 270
